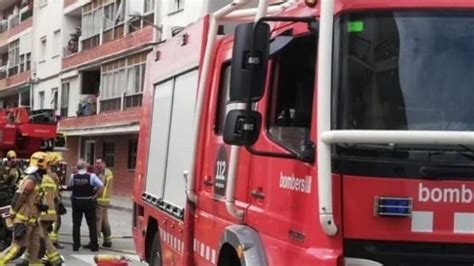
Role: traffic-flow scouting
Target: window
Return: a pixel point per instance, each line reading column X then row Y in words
column 25, row 62
column 92, row 22
column 176, row 5
column 149, row 6
column 64, row 99
column 292, row 93
column 13, row 57
column 54, row 98
column 22, row 63
column 223, row 99
column 119, row 77
column 132, row 154
column 41, row 100
column 406, row 71
column 25, row 97
column 43, row 48
column 108, row 153
column 109, row 16
column 56, row 43
column 28, row 61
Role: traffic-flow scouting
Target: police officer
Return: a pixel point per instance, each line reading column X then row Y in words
column 85, row 188
column 25, row 210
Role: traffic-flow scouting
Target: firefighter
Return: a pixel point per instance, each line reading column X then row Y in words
column 48, row 218
column 60, row 208
column 26, row 207
column 103, row 201
column 12, row 168
column 103, row 226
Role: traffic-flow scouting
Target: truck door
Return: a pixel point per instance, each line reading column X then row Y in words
column 283, row 190
column 211, row 183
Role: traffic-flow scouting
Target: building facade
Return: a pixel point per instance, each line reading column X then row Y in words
column 86, row 60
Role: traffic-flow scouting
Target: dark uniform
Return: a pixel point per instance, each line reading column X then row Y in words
column 84, row 186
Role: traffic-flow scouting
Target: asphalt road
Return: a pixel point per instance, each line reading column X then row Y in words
column 122, row 240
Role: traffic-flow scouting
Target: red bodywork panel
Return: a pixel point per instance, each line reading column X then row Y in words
column 21, row 134
column 282, row 212
column 435, row 207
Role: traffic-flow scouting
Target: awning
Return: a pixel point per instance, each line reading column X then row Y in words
column 102, row 130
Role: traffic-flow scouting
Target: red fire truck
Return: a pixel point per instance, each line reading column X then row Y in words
column 27, row 131
column 330, row 132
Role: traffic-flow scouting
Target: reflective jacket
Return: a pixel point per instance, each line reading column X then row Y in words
column 50, row 189
column 106, row 178
column 28, row 212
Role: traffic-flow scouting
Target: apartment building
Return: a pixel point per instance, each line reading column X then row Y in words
column 86, row 60
column 15, row 52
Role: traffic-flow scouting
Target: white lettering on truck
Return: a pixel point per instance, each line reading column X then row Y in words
column 461, row 194
column 299, row 184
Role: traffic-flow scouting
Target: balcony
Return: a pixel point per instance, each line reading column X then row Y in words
column 17, row 16
column 12, row 31
column 101, row 124
column 69, row 2
column 133, row 41
column 15, row 80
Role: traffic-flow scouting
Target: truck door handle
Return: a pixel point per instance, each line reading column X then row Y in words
column 208, row 183
column 257, row 194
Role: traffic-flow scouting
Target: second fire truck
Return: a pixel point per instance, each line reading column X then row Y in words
column 331, row 132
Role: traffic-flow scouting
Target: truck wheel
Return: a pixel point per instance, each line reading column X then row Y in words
column 155, row 254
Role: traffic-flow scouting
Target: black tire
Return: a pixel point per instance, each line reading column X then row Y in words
column 155, row 254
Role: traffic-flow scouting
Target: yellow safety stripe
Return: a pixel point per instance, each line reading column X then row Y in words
column 10, row 254
column 52, row 237
column 48, row 185
column 103, row 200
column 25, row 219
column 50, row 211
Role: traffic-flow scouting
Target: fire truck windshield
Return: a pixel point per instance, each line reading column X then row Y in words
column 406, row 70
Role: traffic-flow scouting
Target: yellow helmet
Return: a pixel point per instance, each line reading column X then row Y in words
column 11, row 154
column 39, row 159
column 54, row 158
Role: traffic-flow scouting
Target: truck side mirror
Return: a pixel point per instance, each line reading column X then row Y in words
column 249, row 61
column 239, row 130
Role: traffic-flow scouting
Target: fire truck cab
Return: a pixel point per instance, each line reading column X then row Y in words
column 331, row 132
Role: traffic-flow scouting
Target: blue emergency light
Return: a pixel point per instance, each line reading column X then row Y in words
column 393, row 207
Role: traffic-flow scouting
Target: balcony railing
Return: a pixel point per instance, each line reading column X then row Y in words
column 120, row 103
column 15, row 19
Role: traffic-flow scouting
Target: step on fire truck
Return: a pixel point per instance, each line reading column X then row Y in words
column 330, row 132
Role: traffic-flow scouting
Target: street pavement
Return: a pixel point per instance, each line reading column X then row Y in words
column 121, row 222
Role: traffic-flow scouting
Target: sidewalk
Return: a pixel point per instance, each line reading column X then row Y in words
column 123, row 203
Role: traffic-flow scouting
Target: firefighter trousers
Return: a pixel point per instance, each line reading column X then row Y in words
column 84, row 207
column 30, row 240
column 103, row 225
column 52, row 254
column 53, row 235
